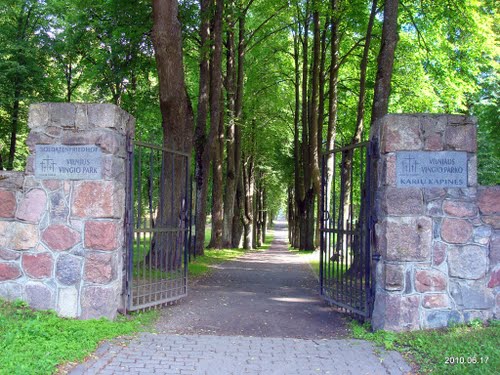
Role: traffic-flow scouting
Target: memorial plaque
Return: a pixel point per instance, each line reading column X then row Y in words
column 60, row 162
column 444, row 169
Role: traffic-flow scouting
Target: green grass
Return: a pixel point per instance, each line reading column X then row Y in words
column 202, row 265
column 36, row 342
column 312, row 257
column 208, row 234
column 198, row 266
column 430, row 350
column 269, row 240
column 142, row 270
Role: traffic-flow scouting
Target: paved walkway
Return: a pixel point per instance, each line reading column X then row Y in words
column 259, row 314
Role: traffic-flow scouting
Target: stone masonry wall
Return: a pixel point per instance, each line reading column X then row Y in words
column 440, row 248
column 62, row 241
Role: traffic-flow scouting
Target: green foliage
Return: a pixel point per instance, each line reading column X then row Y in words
column 446, row 61
column 456, row 44
column 487, row 110
column 462, row 349
column 23, row 77
column 36, row 342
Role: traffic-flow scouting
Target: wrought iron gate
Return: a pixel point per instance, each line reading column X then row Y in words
column 345, row 227
column 158, row 225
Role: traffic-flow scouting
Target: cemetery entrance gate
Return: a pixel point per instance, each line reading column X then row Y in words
column 158, row 225
column 346, row 228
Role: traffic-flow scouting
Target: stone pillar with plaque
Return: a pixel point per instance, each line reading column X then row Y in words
column 432, row 237
column 65, row 233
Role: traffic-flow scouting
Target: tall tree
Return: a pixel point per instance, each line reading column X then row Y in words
column 174, row 103
column 203, row 145
column 385, row 60
column 21, row 66
column 217, row 120
column 239, row 207
column 231, row 165
column 177, row 124
column 347, row 164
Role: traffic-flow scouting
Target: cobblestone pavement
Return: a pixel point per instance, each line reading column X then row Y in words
column 259, row 314
column 223, row 355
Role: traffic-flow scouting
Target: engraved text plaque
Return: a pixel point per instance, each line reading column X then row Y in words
column 60, row 162
column 444, row 169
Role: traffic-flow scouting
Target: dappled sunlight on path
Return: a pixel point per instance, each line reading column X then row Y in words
column 271, row 293
column 259, row 315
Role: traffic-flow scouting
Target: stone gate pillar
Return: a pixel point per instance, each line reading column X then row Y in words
column 437, row 231
column 62, row 221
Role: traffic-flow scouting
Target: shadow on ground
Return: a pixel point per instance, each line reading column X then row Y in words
column 263, row 294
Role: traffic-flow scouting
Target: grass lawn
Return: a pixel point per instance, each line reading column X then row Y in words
column 36, row 342
column 472, row 348
column 208, row 233
column 201, row 265
column 312, row 257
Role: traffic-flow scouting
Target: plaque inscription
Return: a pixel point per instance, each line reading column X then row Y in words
column 445, row 169
column 60, row 162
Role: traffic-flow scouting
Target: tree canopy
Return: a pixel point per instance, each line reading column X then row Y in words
column 294, row 75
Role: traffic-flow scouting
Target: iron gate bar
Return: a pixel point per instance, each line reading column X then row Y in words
column 347, row 231
column 156, row 230
column 157, row 252
column 162, row 148
column 345, row 225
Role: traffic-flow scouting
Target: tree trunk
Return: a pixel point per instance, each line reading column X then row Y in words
column 174, row 102
column 231, row 177
column 69, row 77
column 305, row 106
column 313, row 125
column 321, row 117
column 332, row 111
column 299, row 189
column 259, row 212
column 357, row 263
column 256, row 238
column 23, row 23
column 217, row 188
column 216, row 118
column 238, row 214
column 309, row 224
column 303, row 201
column 177, row 125
column 385, row 60
column 249, row 186
column 290, row 215
column 333, row 97
column 264, row 215
column 203, row 147
column 310, row 131
column 14, row 128
column 362, row 78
